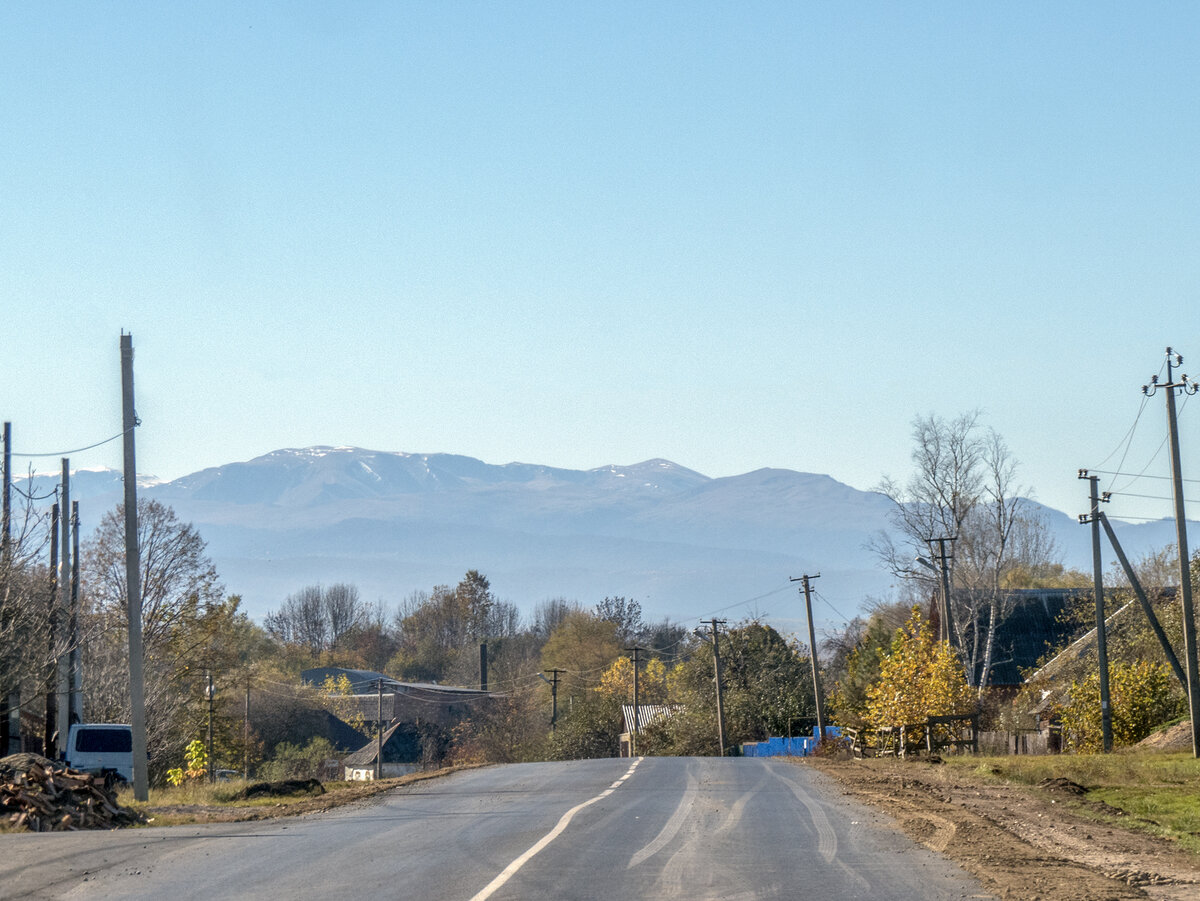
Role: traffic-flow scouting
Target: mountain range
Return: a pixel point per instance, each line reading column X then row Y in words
column 683, row 544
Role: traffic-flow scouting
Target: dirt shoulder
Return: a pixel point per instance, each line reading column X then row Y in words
column 1021, row 842
column 335, row 796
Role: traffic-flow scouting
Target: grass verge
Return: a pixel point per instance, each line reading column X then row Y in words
column 1158, row 793
column 209, row 803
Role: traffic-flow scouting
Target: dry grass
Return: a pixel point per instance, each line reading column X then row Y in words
column 201, row 802
column 1157, row 792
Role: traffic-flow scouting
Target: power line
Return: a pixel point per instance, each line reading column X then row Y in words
column 1152, row 497
column 80, row 450
column 1109, row 472
column 1127, row 440
column 825, row 601
column 779, row 590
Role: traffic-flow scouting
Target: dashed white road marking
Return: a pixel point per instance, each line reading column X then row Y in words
column 492, row 887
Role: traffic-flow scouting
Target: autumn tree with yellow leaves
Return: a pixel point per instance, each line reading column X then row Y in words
column 617, row 681
column 919, row 677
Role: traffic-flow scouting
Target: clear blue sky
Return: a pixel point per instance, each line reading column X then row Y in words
column 733, row 235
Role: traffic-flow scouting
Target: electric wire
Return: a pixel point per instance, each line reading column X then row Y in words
column 825, row 600
column 1152, row 497
column 78, row 450
column 760, row 597
column 1161, row 478
column 1127, row 440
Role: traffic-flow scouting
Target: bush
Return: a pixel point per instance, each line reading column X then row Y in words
column 1142, row 698
column 592, row 729
column 297, row 762
column 920, row 677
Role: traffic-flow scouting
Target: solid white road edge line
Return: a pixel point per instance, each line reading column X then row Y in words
column 550, row 836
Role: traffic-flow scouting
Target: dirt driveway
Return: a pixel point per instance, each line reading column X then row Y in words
column 1022, row 843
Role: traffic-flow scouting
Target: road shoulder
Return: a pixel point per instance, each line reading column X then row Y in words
column 1020, row 842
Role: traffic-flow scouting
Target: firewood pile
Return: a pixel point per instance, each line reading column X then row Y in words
column 39, row 795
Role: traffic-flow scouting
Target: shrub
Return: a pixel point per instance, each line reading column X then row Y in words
column 297, row 762
column 1142, row 698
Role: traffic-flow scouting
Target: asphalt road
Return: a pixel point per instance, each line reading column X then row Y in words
column 655, row 828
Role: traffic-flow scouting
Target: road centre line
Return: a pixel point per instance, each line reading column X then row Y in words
column 492, row 887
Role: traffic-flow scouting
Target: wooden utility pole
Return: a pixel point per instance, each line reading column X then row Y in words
column 75, row 665
column 555, row 673
column 6, row 509
column 715, row 624
column 1098, row 590
column 133, row 580
column 10, row 695
column 948, row 632
column 246, row 735
column 62, row 664
column 379, row 736
column 637, row 711
column 483, row 675
column 1181, row 543
column 818, row 695
column 209, row 693
column 51, row 737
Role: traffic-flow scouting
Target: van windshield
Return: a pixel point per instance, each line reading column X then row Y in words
column 104, row 741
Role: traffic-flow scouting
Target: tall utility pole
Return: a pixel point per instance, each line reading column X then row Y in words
column 483, row 679
column 246, row 735
column 379, row 735
column 51, row 738
column 1185, row 577
column 209, row 693
column 812, row 648
column 948, row 632
column 6, row 510
column 10, row 695
column 62, row 665
column 554, row 674
column 75, row 667
column 133, row 580
column 1098, row 590
column 637, row 710
column 715, row 624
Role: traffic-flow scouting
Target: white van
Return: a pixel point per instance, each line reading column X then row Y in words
column 102, row 748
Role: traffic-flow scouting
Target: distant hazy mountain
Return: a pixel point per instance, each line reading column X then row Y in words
column 681, row 543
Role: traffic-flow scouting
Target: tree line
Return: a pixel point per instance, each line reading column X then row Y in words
column 886, row 664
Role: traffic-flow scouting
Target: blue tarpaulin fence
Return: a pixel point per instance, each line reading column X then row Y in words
column 798, row 746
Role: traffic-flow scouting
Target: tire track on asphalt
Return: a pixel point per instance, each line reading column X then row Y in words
column 511, row 870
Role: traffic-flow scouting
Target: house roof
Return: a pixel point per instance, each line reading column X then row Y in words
column 1034, row 627
column 365, row 756
column 364, row 682
column 647, row 714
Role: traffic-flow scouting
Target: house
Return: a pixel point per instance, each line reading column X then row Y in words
column 402, row 753
column 645, row 715
column 417, row 702
column 418, row 716
column 1035, row 626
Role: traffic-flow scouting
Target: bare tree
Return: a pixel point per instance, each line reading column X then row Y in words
column 177, row 575
column 184, row 625
column 549, row 615
column 318, row 618
column 344, row 609
column 964, row 486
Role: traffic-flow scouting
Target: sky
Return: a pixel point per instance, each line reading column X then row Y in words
column 732, row 235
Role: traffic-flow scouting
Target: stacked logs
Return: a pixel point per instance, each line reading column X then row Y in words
column 38, row 795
